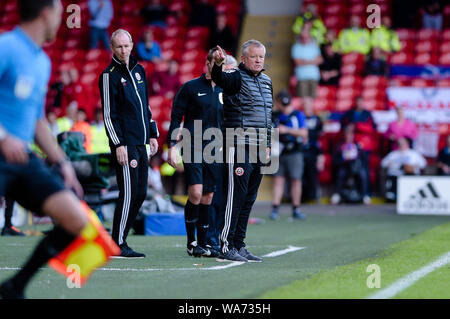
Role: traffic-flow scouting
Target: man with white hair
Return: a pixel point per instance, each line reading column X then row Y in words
column 248, row 102
column 130, row 128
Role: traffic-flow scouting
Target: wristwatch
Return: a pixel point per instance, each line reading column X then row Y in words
column 3, row 133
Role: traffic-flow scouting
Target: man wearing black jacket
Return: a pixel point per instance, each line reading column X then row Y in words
column 199, row 101
column 248, row 102
column 124, row 93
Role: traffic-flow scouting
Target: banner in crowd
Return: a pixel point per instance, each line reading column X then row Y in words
column 421, row 71
column 423, row 105
column 423, row 195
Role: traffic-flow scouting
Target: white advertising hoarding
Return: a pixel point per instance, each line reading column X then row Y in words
column 423, row 195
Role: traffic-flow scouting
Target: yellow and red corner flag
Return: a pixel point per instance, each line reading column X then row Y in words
column 90, row 250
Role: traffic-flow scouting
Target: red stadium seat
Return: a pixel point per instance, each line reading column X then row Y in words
column 427, row 46
column 422, row 83
column 374, row 81
column 193, row 55
column 401, row 58
column 324, row 104
column 373, row 93
column 406, row 34
column 426, row 58
column 445, row 47
column 296, row 102
column 428, row 34
column 343, row 105
column 324, row 91
column 446, row 35
column 346, row 93
column 171, row 55
column 335, row 9
column 350, row 81
column 444, row 59
column 407, row 45
column 375, row 103
column 443, row 83
column 399, row 82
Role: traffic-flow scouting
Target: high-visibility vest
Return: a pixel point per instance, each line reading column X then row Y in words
column 100, row 142
column 354, row 40
column 64, row 124
column 385, row 39
column 84, row 128
column 318, row 29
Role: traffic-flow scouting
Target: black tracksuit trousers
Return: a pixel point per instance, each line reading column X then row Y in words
column 242, row 181
column 132, row 183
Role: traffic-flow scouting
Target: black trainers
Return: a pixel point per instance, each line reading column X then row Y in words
column 213, row 252
column 250, row 257
column 127, row 252
column 12, row 231
column 232, row 255
column 8, row 291
column 190, row 248
column 208, row 252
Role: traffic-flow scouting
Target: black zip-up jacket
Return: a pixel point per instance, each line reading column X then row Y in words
column 196, row 100
column 247, row 100
column 126, row 111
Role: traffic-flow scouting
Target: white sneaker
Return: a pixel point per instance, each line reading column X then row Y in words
column 367, row 200
column 335, row 199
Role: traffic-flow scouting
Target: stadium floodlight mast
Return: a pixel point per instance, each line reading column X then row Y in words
column 213, row 151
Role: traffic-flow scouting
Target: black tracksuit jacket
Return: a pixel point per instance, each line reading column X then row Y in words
column 126, row 111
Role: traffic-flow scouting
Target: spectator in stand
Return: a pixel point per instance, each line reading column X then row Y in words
column 100, row 142
column 432, row 15
column 155, row 13
column 363, row 126
column 148, row 49
column 330, row 38
column 330, row 69
column 102, row 12
column 66, row 122
column 385, row 37
column 51, row 119
column 293, row 133
column 403, row 161
column 317, row 27
column 81, row 125
column 354, row 38
column 444, row 159
column 348, row 162
column 222, row 35
column 376, row 63
column 75, row 91
column 166, row 83
column 307, row 58
column 203, row 14
column 402, row 127
column 312, row 153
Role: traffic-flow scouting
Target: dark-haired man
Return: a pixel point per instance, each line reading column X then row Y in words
column 200, row 102
column 24, row 75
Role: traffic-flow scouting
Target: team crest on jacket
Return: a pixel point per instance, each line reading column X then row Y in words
column 138, row 76
column 134, row 163
column 239, row 171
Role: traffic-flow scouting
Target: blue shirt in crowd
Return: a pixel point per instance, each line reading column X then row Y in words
column 101, row 17
column 148, row 54
column 24, row 74
column 306, row 51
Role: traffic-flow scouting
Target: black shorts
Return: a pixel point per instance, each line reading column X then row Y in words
column 203, row 173
column 30, row 184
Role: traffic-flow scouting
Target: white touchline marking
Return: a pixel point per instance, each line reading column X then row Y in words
column 284, row 251
column 220, row 267
column 411, row 278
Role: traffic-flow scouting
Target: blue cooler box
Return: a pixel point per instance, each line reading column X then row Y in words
column 165, row 224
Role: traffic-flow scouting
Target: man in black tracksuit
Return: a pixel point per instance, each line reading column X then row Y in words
column 248, row 102
column 124, row 93
column 199, row 101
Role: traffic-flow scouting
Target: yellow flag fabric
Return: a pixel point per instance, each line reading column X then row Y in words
column 90, row 250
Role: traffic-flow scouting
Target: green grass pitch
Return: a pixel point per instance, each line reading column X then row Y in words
column 338, row 245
